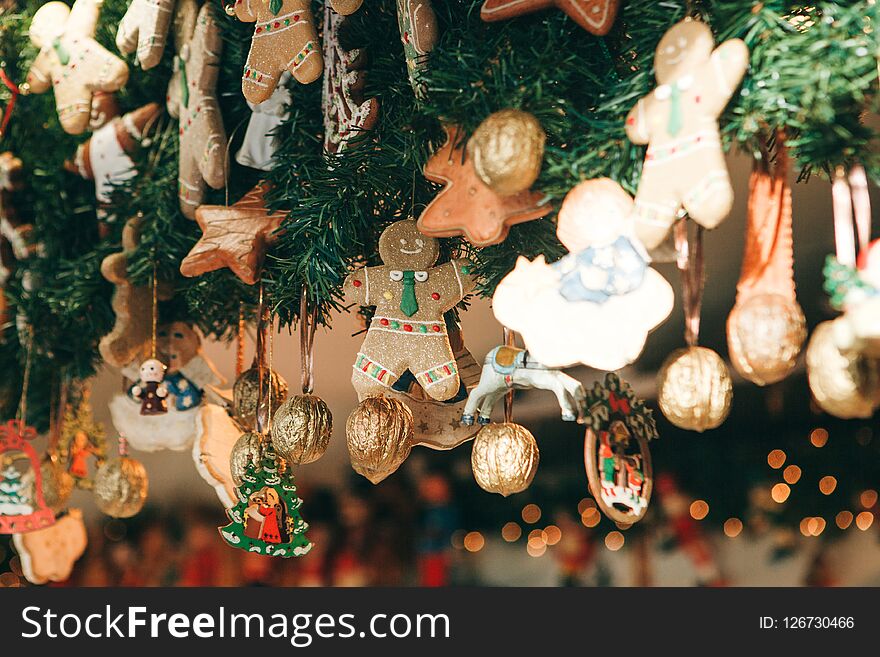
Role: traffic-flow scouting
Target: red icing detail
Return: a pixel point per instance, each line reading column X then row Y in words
column 407, row 327
column 630, row 121
column 296, row 17
column 435, row 296
column 356, row 283
column 383, row 322
column 276, row 24
column 435, row 328
column 697, row 99
column 259, row 29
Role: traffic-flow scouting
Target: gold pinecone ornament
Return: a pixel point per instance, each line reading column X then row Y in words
column 507, row 150
column 301, row 429
column 504, row 458
column 247, row 450
column 246, row 391
column 379, row 433
column 694, row 389
column 121, row 487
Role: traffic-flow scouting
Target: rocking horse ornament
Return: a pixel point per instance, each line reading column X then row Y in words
column 509, row 368
column 616, row 453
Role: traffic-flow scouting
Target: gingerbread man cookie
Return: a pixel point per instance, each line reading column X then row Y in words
column 194, row 103
column 133, row 306
column 71, row 61
column 144, row 30
column 595, row 16
column 284, row 40
column 408, row 331
column 684, row 165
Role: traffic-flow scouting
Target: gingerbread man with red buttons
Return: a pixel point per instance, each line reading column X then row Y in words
column 408, row 331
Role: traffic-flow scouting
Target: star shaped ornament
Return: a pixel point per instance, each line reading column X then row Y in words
column 466, row 205
column 595, row 16
column 234, row 236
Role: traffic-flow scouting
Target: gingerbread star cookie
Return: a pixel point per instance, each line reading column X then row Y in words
column 466, row 205
column 234, row 236
column 595, row 16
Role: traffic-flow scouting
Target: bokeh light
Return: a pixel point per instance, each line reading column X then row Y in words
column 827, row 485
column 591, row 517
column 699, row 509
column 733, row 527
column 614, row 541
column 844, row 519
column 818, row 437
column 776, row 459
column 553, row 534
column 780, row 493
column 864, row 520
column 531, row 513
column 474, row 541
column 791, row 474
column 511, row 532
column 868, row 498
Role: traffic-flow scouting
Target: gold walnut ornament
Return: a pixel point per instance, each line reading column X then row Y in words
column 379, row 433
column 507, row 149
column 504, row 458
column 694, row 389
column 246, row 390
column 121, row 487
column 301, row 429
column 247, row 450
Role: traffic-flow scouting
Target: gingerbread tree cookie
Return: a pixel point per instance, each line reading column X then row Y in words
column 144, row 30
column 408, row 331
column 194, row 103
column 468, row 206
column 71, row 61
column 595, row 16
column 684, row 165
column 284, row 40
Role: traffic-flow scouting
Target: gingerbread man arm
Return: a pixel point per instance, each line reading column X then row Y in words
column 457, row 275
column 361, row 283
column 39, row 77
column 144, row 29
column 728, row 63
column 637, row 124
column 244, row 12
column 84, row 17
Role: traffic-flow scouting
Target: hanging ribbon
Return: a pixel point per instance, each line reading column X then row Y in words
column 690, row 265
column 852, row 208
column 240, row 342
column 509, row 341
column 308, row 322
column 768, row 260
column 260, row 361
column 14, row 91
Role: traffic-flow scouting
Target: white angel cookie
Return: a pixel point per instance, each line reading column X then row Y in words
column 189, row 374
column 597, row 304
column 258, row 147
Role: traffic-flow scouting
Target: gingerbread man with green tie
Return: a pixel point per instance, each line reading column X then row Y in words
column 408, row 331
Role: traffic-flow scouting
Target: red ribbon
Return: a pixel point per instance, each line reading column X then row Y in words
column 7, row 112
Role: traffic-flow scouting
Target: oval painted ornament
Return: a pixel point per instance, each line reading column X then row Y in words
column 22, row 507
column 616, row 453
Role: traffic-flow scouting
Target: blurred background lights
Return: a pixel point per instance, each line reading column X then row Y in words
column 474, row 541
column 776, row 459
column 868, row 498
column 844, row 519
column 553, row 534
column 699, row 509
column 614, row 541
column 511, row 532
column 791, row 474
column 780, row 493
column 591, row 517
column 531, row 513
column 827, row 485
column 732, row 527
column 819, row 437
column 864, row 520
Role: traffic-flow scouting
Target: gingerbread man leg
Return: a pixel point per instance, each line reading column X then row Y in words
column 708, row 196
column 433, row 364
column 656, row 206
column 378, row 365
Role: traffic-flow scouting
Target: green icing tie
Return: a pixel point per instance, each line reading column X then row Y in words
column 61, row 51
column 184, row 87
column 275, row 6
column 408, row 304
column 675, row 120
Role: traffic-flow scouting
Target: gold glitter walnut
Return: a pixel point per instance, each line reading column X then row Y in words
column 248, row 450
column 844, row 385
column 57, row 483
column 504, row 458
column 764, row 337
column 301, row 429
column 121, row 487
column 379, row 433
column 507, row 149
column 246, row 390
column 694, row 389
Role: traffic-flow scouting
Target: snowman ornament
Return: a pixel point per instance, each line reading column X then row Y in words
column 150, row 390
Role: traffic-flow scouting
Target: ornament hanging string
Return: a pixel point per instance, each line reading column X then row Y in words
column 690, row 265
column 509, row 341
column 14, row 91
column 155, row 313
column 852, row 207
column 308, row 322
column 239, row 342
column 260, row 357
